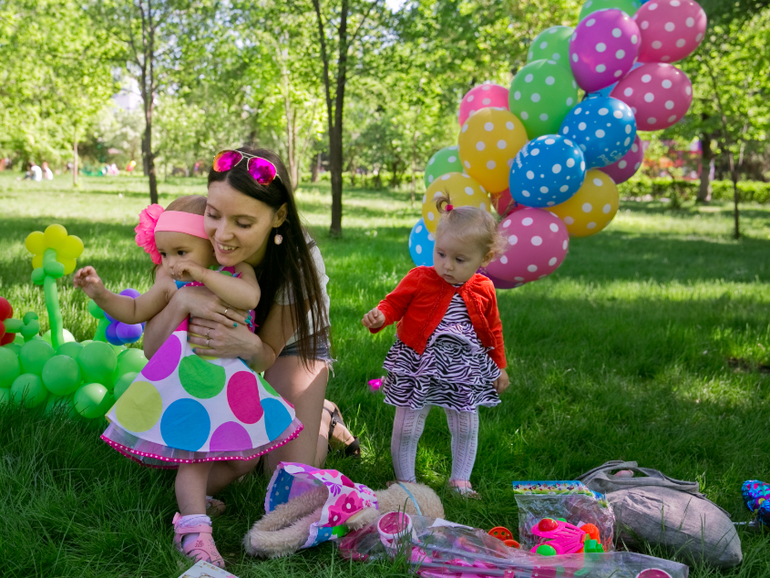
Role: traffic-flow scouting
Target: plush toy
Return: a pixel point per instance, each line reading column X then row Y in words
column 306, row 506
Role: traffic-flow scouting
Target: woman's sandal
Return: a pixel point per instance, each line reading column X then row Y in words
column 352, row 448
column 202, row 548
column 463, row 489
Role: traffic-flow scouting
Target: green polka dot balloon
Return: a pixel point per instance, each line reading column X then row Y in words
column 541, row 95
column 551, row 44
column 444, row 161
column 628, row 6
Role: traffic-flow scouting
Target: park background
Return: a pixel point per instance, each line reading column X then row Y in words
column 650, row 343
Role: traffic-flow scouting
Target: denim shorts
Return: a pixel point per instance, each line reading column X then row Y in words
column 322, row 352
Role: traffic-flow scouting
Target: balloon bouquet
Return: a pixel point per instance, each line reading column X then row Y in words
column 548, row 161
column 54, row 372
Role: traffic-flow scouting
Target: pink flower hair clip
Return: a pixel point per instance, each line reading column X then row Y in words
column 145, row 231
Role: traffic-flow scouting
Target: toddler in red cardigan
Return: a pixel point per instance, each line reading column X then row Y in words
column 449, row 350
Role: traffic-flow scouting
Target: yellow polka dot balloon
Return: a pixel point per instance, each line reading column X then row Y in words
column 489, row 141
column 462, row 191
column 590, row 209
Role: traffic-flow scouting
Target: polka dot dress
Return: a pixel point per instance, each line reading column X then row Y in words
column 183, row 408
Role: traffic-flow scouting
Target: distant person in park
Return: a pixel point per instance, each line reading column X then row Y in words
column 184, row 411
column 449, row 351
column 252, row 218
column 47, row 172
column 34, row 172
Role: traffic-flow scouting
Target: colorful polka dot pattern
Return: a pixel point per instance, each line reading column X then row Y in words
column 462, row 191
column 447, row 160
column 182, row 402
column 551, row 44
column 421, row 243
column 659, row 95
column 541, row 95
column 537, row 245
column 547, row 171
column 489, row 141
column 671, row 29
column 592, row 208
column 604, row 128
column 603, row 49
column 628, row 6
column 627, row 166
column 482, row 96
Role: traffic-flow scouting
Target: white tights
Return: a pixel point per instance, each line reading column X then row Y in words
column 408, row 427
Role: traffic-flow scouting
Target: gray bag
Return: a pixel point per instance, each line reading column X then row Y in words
column 653, row 508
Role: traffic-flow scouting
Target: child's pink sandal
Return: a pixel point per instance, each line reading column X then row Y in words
column 202, row 548
column 464, row 489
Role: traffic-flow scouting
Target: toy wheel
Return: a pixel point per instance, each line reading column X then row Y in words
column 501, row 533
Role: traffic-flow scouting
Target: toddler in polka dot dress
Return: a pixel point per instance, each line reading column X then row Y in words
column 184, row 410
column 449, row 351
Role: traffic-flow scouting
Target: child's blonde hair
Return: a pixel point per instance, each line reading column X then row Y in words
column 195, row 204
column 473, row 224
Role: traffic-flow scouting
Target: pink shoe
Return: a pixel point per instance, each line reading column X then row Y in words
column 203, row 548
column 464, row 489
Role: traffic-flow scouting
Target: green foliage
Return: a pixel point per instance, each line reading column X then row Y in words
column 750, row 191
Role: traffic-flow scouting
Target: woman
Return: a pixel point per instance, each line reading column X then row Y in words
column 251, row 217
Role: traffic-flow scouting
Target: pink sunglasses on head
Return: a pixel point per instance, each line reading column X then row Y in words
column 262, row 170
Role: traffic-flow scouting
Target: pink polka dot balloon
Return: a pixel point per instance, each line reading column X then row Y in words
column 537, row 245
column 625, row 168
column 670, row 29
column 483, row 96
column 603, row 48
column 658, row 94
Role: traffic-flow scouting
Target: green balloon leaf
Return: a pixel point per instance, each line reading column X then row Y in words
column 38, row 276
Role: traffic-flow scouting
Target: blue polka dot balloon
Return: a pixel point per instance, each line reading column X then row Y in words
column 421, row 243
column 547, row 171
column 603, row 127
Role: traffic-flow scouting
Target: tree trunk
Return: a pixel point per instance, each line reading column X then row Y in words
column 335, row 167
column 75, row 163
column 704, row 192
column 150, row 161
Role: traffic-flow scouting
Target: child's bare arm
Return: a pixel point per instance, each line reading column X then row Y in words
column 122, row 307
column 241, row 292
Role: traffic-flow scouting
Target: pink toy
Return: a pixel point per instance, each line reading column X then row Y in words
column 658, row 94
column 375, row 384
column 537, row 245
column 625, row 168
column 559, row 537
column 482, row 96
column 670, row 29
column 603, row 48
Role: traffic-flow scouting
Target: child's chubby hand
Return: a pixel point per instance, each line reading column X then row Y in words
column 502, row 382
column 374, row 319
column 184, row 270
column 88, row 280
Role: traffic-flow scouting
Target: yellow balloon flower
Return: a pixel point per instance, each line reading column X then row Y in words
column 590, row 209
column 489, row 141
column 462, row 191
column 67, row 247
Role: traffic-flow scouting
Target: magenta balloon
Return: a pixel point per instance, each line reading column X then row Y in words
column 627, row 166
column 658, row 94
column 537, row 245
column 483, row 96
column 670, row 29
column 603, row 48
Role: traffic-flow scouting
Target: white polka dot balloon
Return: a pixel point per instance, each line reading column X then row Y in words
column 547, row 171
column 551, row 44
column 421, row 242
column 446, row 160
column 461, row 189
column 489, row 141
column 626, row 167
column 590, row 209
column 659, row 94
column 537, row 245
column 671, row 29
column 603, row 48
column 482, row 96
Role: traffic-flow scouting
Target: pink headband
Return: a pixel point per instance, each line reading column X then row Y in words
column 154, row 219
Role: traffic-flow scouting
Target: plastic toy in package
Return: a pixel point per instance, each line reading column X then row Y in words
column 440, row 549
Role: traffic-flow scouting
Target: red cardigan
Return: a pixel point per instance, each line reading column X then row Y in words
column 422, row 298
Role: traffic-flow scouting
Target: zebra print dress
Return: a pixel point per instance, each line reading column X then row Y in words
column 454, row 371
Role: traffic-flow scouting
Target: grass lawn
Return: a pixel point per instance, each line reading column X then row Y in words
column 650, row 343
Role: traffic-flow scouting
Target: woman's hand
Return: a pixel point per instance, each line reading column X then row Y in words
column 232, row 340
column 502, row 382
column 200, row 302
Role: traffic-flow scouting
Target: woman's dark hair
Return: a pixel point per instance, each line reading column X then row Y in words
column 289, row 266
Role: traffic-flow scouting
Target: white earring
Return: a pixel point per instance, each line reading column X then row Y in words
column 278, row 239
